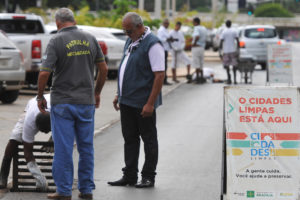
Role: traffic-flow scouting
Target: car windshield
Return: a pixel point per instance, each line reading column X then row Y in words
column 21, row 26
column 260, row 33
column 5, row 43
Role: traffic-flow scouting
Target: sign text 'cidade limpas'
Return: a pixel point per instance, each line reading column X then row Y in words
column 262, row 110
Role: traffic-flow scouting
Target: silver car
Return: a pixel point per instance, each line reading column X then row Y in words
column 12, row 73
column 254, row 41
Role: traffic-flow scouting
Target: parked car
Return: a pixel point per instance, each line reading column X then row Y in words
column 28, row 33
column 254, row 40
column 118, row 33
column 111, row 46
column 115, row 48
column 12, row 73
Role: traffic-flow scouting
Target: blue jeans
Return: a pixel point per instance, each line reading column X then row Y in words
column 69, row 122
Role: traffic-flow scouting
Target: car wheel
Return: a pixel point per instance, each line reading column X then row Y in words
column 112, row 74
column 9, row 96
column 263, row 66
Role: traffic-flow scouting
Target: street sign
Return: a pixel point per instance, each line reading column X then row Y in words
column 280, row 63
column 262, row 142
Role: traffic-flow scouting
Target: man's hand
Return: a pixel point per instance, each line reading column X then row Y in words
column 97, row 100
column 115, row 103
column 147, row 110
column 42, row 104
column 47, row 148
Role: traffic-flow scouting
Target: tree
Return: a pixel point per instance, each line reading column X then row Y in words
column 271, row 10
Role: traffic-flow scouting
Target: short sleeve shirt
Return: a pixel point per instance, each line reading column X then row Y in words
column 180, row 43
column 201, row 32
column 229, row 36
column 71, row 55
column 163, row 35
column 31, row 111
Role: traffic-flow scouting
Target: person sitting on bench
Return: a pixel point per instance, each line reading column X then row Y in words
column 29, row 124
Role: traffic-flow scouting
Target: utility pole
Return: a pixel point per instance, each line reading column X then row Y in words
column 157, row 9
column 167, row 9
column 173, row 8
column 214, row 6
column 141, row 4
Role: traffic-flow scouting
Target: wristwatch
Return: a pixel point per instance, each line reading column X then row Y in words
column 40, row 98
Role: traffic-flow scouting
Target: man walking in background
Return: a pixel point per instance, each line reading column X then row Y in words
column 141, row 76
column 164, row 37
column 198, row 47
column 71, row 55
column 230, row 45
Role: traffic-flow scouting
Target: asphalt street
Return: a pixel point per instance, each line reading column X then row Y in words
column 190, row 125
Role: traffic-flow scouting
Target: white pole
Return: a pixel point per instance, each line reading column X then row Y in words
column 141, row 4
column 157, row 9
column 173, row 9
column 168, row 8
column 214, row 5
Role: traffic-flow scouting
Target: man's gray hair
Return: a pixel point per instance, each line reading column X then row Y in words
column 134, row 18
column 64, row 15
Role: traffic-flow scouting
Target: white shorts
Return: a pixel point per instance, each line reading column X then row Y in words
column 16, row 133
column 179, row 57
column 198, row 57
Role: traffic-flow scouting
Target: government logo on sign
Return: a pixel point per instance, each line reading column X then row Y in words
column 250, row 194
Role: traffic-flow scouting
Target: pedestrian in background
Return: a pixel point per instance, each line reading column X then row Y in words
column 198, row 47
column 230, row 45
column 177, row 51
column 141, row 76
column 29, row 124
column 164, row 36
column 72, row 54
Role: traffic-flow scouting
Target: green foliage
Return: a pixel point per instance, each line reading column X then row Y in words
column 83, row 17
column 272, row 10
column 123, row 6
column 204, row 9
column 152, row 23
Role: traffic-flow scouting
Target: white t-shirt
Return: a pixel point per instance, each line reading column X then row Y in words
column 32, row 110
column 177, row 45
column 163, row 35
column 156, row 56
column 229, row 36
column 201, row 32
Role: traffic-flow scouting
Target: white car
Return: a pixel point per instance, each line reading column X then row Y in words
column 115, row 48
column 254, row 41
column 12, row 73
column 118, row 33
column 111, row 46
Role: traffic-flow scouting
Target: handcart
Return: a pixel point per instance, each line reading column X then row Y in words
column 246, row 65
